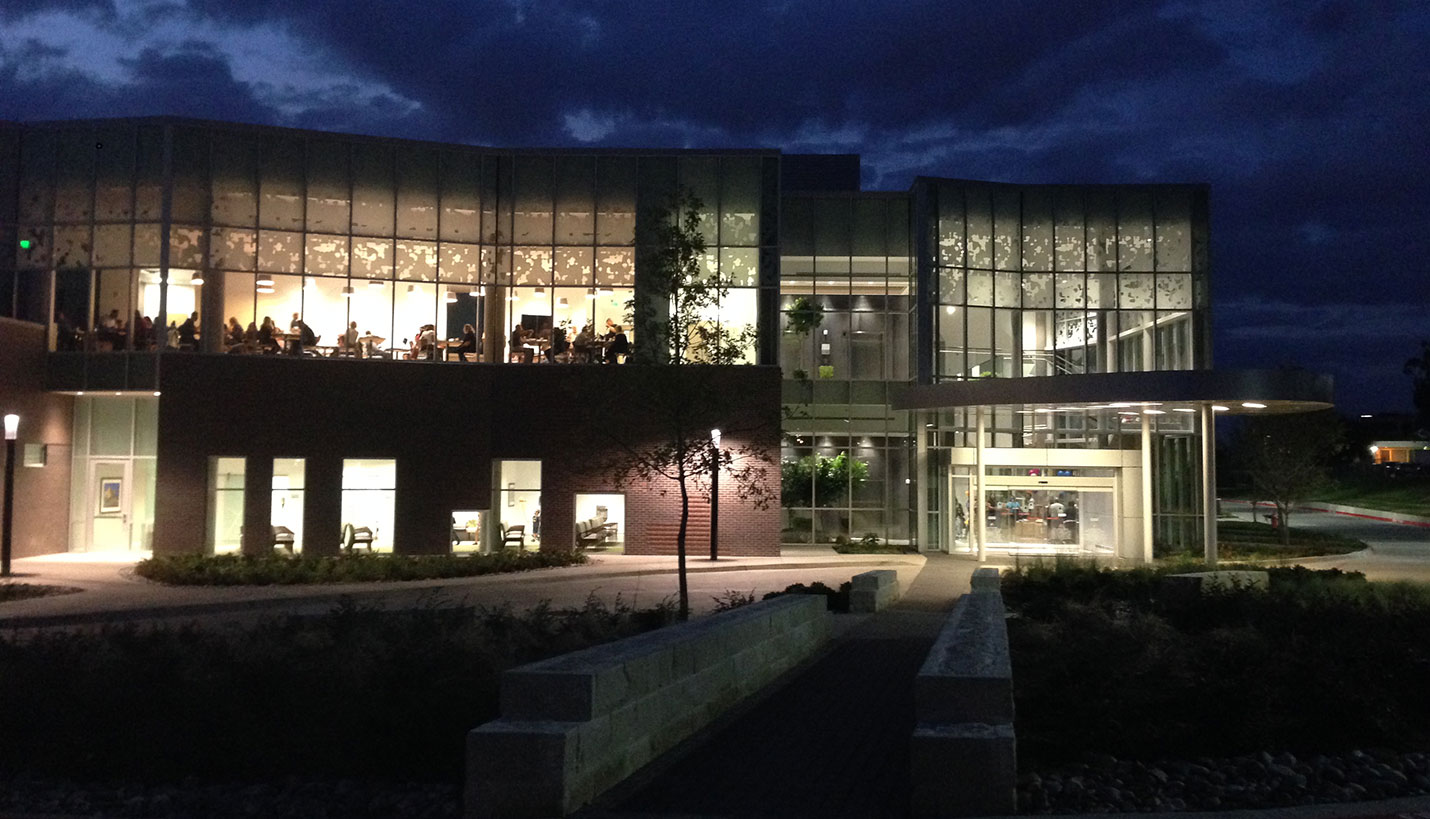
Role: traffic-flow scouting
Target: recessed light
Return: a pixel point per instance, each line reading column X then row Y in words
column 1219, row 408
column 1154, row 412
column 1182, row 409
column 1253, row 405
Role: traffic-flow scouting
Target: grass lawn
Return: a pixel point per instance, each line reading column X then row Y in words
column 1244, row 540
column 1320, row 662
column 1407, row 495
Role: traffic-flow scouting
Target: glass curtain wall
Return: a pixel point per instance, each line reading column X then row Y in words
column 845, row 300
column 400, row 238
column 1059, row 280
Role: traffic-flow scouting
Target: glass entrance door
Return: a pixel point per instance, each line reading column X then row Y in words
column 1050, row 517
column 110, row 513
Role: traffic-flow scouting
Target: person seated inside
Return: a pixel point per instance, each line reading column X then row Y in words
column 250, row 338
column 233, row 334
column 559, row 344
column 427, row 341
column 469, row 342
column 584, row 343
column 348, row 341
column 303, row 335
column 518, row 341
column 189, row 333
column 619, row 345
column 268, row 336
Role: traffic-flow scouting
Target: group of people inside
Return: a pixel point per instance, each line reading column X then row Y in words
column 267, row 338
column 611, row 347
column 111, row 332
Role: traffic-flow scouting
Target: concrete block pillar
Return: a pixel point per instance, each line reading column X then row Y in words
column 257, row 505
column 322, row 504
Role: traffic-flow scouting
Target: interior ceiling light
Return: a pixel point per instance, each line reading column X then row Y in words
column 265, row 290
column 197, row 279
column 1154, row 412
column 605, row 291
column 348, row 291
column 1219, row 408
column 1253, row 405
column 1182, row 409
column 477, row 291
column 590, row 292
column 950, row 309
column 265, row 281
column 541, row 291
column 1127, row 412
column 450, row 298
column 561, row 302
column 1120, row 404
column 412, row 288
column 374, row 283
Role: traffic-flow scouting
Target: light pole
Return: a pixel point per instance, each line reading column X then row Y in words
column 12, row 429
column 715, row 495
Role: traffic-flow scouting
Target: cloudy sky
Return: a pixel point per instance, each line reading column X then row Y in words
column 1309, row 118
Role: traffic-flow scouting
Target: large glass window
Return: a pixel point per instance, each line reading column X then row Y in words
column 287, row 510
column 369, row 500
column 518, row 495
column 225, row 524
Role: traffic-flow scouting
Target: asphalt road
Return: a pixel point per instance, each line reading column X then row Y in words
column 1397, row 551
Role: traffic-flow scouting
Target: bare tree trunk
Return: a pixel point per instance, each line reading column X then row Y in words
column 683, row 613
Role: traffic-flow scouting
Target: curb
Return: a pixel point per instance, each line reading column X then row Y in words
column 1349, row 511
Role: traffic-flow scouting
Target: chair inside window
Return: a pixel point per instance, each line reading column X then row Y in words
column 284, row 538
column 354, row 537
column 514, row 535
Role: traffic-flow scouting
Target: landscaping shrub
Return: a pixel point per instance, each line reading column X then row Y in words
column 836, row 600
column 1319, row 661
column 354, row 693
column 267, row 570
column 23, row 591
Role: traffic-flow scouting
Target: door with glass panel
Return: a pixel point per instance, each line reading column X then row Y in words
column 110, row 512
column 1050, row 516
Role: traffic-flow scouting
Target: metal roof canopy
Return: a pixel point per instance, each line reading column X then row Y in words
column 1241, row 392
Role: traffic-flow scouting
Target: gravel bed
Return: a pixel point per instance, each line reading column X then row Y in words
column 294, row 797
column 1105, row 784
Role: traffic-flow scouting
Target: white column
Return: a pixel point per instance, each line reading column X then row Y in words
column 1209, row 530
column 921, row 474
column 1146, row 488
column 981, row 528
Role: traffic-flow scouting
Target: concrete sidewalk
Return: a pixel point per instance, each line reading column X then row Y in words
column 110, row 592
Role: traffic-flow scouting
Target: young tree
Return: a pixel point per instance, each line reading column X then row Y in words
column 1287, row 457
column 677, row 324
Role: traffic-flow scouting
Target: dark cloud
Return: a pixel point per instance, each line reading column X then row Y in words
column 1307, row 117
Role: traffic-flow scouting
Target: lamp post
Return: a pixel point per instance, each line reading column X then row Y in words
column 12, row 429
column 715, row 495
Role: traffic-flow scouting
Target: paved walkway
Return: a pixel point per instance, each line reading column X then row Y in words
column 831, row 741
column 111, row 593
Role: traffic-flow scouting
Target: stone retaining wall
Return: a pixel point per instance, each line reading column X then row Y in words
column 575, row 725
column 873, row 590
column 963, row 751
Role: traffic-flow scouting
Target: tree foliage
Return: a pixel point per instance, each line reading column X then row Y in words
column 817, row 480
column 1287, row 457
column 677, row 308
column 676, row 313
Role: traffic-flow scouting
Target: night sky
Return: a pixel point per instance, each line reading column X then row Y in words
column 1310, row 120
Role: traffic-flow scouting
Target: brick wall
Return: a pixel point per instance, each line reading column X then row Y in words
column 444, row 424
column 41, row 493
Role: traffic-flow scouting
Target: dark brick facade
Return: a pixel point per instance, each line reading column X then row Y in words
column 444, row 424
column 41, row 493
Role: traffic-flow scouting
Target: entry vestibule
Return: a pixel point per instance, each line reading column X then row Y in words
column 1021, row 501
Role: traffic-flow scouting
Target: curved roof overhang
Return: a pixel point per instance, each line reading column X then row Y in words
column 1236, row 392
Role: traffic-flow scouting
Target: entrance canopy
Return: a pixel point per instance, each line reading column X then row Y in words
column 1234, row 392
